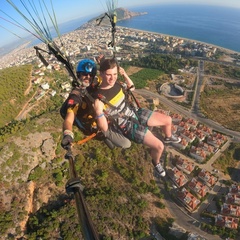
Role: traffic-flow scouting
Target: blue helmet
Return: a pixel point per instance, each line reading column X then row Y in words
column 87, row 66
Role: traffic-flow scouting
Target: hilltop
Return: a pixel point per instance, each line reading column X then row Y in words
column 122, row 14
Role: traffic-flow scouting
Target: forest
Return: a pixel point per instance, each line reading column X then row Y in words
column 13, row 84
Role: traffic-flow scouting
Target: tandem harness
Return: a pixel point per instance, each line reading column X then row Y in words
column 87, row 123
column 84, row 119
column 125, row 129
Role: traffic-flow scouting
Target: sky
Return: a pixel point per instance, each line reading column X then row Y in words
column 66, row 10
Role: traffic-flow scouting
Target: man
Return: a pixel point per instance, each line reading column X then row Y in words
column 112, row 104
column 78, row 110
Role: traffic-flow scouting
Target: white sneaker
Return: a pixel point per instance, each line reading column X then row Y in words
column 159, row 170
column 172, row 139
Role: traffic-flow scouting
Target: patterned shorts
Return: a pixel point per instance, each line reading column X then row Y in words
column 136, row 131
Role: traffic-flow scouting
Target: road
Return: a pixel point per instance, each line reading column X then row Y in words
column 188, row 113
column 182, row 218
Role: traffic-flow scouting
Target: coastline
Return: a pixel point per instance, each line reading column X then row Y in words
column 228, row 51
column 215, row 26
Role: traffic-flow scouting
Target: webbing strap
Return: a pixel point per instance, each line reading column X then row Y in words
column 86, row 139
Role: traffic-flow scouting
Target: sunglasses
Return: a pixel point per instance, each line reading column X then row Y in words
column 84, row 74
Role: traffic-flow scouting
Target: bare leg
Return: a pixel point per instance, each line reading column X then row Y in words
column 163, row 121
column 155, row 145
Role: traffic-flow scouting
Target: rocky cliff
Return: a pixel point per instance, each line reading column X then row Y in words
column 122, row 14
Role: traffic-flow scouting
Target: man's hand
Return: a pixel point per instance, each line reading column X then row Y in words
column 100, row 58
column 122, row 72
column 127, row 79
column 67, row 139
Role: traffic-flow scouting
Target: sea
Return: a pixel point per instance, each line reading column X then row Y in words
column 214, row 25
column 210, row 24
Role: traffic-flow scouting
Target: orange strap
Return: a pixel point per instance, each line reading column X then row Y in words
column 86, row 139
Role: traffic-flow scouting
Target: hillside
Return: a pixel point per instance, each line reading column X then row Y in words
column 120, row 188
column 122, row 14
column 14, row 90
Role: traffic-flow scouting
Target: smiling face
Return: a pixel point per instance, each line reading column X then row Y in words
column 108, row 72
column 109, row 77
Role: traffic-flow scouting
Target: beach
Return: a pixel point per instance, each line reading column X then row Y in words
column 215, row 26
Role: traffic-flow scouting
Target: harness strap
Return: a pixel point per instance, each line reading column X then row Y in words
column 104, row 100
column 113, row 118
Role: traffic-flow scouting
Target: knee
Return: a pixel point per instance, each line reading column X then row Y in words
column 123, row 142
column 127, row 144
column 169, row 119
column 117, row 139
column 160, row 146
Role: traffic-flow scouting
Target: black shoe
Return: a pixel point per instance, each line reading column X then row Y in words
column 172, row 139
column 159, row 170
